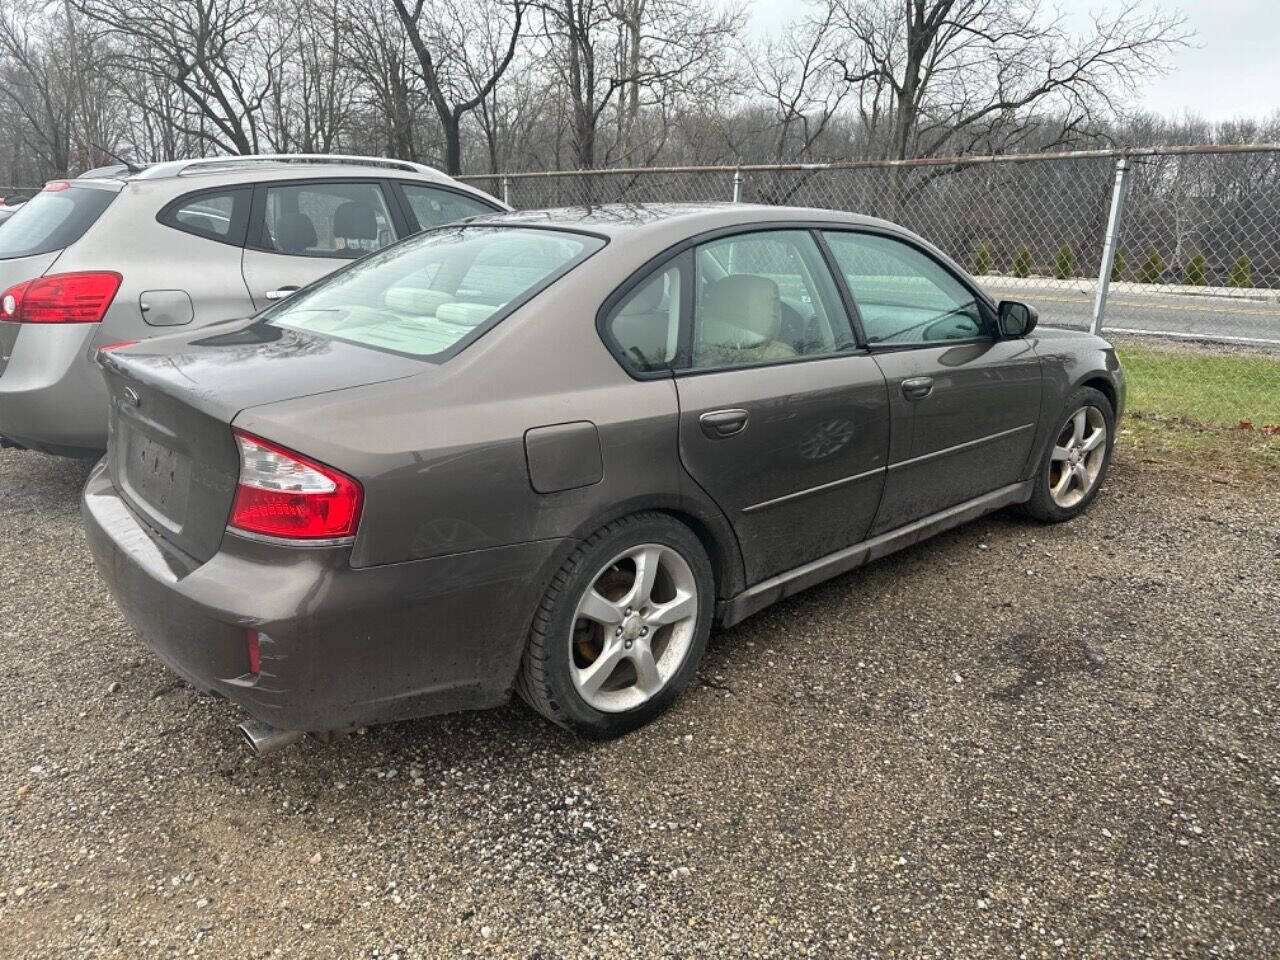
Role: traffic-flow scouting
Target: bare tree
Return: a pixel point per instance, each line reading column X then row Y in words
column 313, row 94
column 376, row 47
column 966, row 75
column 459, row 72
column 625, row 55
column 222, row 55
column 793, row 73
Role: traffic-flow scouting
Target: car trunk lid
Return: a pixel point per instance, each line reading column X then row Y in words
column 172, row 453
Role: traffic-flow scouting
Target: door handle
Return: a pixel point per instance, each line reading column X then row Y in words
column 917, row 388
column 719, row 424
column 282, row 292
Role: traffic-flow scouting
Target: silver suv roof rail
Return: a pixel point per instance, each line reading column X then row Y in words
column 178, row 168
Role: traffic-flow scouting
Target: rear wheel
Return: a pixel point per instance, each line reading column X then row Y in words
column 621, row 629
column 1075, row 463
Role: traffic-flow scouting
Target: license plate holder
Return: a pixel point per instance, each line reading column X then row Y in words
column 157, row 475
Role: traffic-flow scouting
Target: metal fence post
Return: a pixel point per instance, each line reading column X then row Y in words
column 506, row 190
column 1114, row 222
column 737, row 186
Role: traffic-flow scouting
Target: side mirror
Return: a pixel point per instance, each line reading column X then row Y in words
column 1017, row 319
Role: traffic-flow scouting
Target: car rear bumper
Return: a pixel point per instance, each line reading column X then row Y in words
column 341, row 647
column 52, row 397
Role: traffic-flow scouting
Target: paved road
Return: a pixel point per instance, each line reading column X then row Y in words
column 1226, row 318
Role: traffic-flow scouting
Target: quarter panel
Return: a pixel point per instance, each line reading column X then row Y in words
column 442, row 455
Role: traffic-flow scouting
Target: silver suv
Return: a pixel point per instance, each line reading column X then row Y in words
column 101, row 260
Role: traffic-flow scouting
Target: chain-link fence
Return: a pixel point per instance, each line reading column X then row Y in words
column 1173, row 252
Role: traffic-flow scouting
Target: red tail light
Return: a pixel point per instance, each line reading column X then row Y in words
column 284, row 494
column 254, row 650
column 61, row 298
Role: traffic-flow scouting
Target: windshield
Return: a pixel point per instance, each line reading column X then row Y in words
column 433, row 294
column 52, row 220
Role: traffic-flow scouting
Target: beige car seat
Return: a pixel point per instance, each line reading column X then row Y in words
column 739, row 322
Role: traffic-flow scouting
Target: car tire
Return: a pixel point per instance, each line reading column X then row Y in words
column 587, row 665
column 1070, row 476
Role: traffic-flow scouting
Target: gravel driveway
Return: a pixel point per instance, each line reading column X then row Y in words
column 1013, row 740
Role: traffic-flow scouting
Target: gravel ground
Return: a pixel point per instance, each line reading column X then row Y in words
column 1014, row 740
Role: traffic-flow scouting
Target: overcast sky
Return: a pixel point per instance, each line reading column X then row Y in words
column 1233, row 71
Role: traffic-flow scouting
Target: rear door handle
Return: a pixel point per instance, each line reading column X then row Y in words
column 719, row 424
column 917, row 388
column 281, row 293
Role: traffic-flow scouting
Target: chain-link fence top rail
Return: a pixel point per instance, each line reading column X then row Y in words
column 1196, row 256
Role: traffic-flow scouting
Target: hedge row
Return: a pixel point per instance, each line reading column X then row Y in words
column 1150, row 270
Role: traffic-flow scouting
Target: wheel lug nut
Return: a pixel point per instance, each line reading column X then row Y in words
column 618, row 632
column 644, row 631
column 627, row 644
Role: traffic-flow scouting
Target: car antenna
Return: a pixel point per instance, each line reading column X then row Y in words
column 130, row 165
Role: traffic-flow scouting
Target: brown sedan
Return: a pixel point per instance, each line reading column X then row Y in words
column 544, row 452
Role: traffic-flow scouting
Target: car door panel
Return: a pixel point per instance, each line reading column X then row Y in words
column 972, row 433
column 801, row 469
column 273, row 276
column 963, row 402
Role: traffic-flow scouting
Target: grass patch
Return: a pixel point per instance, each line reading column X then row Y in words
column 1191, row 384
column 1212, row 451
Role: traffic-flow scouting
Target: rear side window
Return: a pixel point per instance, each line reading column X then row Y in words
column 52, row 220
column 765, row 297
column 218, row 215
column 433, row 207
column 645, row 326
column 344, row 220
column 435, row 293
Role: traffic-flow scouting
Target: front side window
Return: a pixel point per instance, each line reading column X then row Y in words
column 342, row 220
column 53, row 220
column 433, row 207
column 903, row 295
column 435, row 293
column 645, row 326
column 764, row 297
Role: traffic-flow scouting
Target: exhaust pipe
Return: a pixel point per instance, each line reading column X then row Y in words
column 264, row 738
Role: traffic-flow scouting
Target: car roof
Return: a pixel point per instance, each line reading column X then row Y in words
column 194, row 174
column 677, row 220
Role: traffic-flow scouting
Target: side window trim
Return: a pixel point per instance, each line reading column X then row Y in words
column 240, row 213
column 257, row 218
column 402, row 220
column 979, row 298
column 842, row 287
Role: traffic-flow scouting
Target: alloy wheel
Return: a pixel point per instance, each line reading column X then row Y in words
column 1078, row 456
column 633, row 627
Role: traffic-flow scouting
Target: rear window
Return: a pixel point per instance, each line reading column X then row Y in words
column 52, row 220
column 433, row 294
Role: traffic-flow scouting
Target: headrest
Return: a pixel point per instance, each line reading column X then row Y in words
column 747, row 302
column 647, row 298
column 355, row 220
column 294, row 233
column 415, row 300
column 464, row 314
